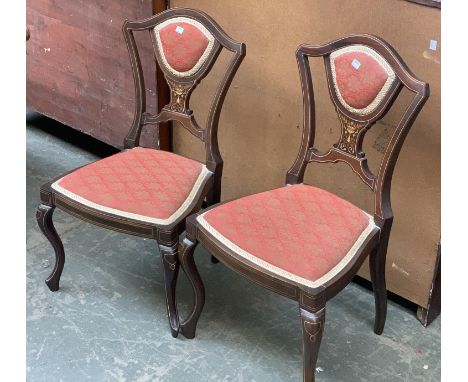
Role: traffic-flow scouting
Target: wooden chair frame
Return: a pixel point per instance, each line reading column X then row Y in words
column 312, row 301
column 177, row 110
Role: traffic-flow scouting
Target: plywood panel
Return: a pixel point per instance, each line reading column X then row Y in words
column 78, row 70
column 261, row 122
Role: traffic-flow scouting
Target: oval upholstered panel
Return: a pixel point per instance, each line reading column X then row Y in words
column 361, row 78
column 183, row 44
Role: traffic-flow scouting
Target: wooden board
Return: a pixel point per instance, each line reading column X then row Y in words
column 78, row 69
column 262, row 115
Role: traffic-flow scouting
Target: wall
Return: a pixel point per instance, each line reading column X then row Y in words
column 78, row 68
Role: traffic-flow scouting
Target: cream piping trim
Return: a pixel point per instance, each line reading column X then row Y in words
column 200, row 182
column 202, row 58
column 378, row 98
column 371, row 226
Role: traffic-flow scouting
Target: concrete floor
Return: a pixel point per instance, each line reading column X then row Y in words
column 108, row 321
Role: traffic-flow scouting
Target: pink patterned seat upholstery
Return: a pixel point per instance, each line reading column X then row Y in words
column 300, row 232
column 143, row 184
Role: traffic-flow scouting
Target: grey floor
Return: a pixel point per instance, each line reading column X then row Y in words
column 108, row 321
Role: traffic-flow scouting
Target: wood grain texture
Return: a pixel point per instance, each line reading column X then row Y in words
column 261, row 124
column 78, row 70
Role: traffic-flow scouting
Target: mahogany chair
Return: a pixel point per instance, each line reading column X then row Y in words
column 301, row 241
column 148, row 192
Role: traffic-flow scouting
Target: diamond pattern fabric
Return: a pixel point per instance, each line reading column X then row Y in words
column 361, row 77
column 183, row 45
column 298, row 231
column 141, row 183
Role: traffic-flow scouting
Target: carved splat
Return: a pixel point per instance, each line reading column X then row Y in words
column 350, row 139
column 180, row 93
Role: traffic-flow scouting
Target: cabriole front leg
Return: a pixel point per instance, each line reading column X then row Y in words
column 44, row 219
column 189, row 326
column 171, row 271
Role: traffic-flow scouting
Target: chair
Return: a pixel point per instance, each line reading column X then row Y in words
column 142, row 191
column 301, row 241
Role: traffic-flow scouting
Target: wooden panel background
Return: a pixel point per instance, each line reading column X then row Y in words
column 261, row 122
column 78, row 69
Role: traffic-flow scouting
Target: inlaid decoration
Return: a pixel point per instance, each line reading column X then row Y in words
column 179, row 96
column 312, row 329
column 350, row 130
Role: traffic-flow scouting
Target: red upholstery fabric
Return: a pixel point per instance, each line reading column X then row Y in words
column 360, row 86
column 301, row 229
column 182, row 50
column 141, row 181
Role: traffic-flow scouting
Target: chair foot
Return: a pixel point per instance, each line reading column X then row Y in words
column 377, row 261
column 44, row 219
column 189, row 326
column 312, row 324
column 171, row 271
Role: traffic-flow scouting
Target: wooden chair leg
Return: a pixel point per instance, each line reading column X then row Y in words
column 214, row 196
column 44, row 219
column 189, row 326
column 312, row 324
column 171, row 270
column 377, row 260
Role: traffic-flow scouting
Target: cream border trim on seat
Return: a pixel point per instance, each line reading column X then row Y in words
column 370, row 228
column 205, row 174
column 202, row 58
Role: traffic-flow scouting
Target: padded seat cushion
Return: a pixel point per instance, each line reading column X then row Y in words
column 300, row 232
column 143, row 184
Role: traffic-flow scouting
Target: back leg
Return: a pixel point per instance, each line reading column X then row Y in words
column 44, row 219
column 214, row 196
column 187, row 247
column 377, row 260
